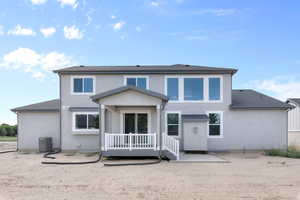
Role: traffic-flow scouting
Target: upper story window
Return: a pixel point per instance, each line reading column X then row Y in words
column 194, row 88
column 214, row 89
column 172, row 89
column 83, row 85
column 139, row 81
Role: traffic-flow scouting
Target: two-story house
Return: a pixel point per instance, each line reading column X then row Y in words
column 147, row 110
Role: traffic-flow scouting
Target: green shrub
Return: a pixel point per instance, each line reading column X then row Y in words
column 292, row 152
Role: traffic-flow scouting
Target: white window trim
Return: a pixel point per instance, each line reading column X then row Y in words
column 95, row 131
column 83, row 93
column 147, row 80
column 205, row 89
column 221, row 124
column 179, row 122
column 122, row 122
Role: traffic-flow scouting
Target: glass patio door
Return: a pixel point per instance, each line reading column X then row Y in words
column 136, row 123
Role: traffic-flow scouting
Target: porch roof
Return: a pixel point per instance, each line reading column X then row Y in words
column 119, row 90
column 195, row 118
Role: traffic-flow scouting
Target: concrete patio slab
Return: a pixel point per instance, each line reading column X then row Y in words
column 198, row 157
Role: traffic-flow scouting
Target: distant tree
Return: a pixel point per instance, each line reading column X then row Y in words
column 3, row 131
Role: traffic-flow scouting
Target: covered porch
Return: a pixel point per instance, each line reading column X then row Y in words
column 130, row 123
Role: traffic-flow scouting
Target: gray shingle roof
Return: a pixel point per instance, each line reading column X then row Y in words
column 195, row 118
column 250, row 99
column 146, row 69
column 125, row 88
column 52, row 105
column 294, row 100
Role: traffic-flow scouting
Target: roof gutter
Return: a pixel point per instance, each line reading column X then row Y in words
column 148, row 72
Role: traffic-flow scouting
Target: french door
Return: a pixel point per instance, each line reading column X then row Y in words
column 136, row 123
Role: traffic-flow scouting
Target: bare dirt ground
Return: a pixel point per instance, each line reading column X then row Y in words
column 248, row 176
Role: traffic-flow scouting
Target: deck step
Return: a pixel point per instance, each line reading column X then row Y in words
column 169, row 155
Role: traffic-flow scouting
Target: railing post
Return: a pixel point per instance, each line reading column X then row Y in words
column 130, row 141
column 154, row 139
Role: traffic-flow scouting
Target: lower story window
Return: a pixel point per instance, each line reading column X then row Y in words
column 86, row 121
column 173, row 124
column 214, row 124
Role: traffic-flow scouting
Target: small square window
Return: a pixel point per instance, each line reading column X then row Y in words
column 83, row 85
column 139, row 82
column 86, row 121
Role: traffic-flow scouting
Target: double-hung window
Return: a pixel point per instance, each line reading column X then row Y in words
column 82, row 85
column 85, row 121
column 215, row 124
column 173, row 125
column 214, row 89
column 140, row 82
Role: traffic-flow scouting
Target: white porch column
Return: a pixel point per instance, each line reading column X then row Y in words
column 102, row 125
column 158, row 132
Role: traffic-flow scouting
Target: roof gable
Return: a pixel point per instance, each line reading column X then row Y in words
column 127, row 88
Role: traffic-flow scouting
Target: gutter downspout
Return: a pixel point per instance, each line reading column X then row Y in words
column 100, row 129
column 60, row 118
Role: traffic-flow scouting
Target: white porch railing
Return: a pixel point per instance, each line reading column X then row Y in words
column 171, row 144
column 116, row 141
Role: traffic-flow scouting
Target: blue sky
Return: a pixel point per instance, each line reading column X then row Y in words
column 260, row 38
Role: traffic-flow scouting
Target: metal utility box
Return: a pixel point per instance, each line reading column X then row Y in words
column 45, row 144
column 195, row 132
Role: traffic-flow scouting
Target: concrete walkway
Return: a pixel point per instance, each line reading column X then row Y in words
column 198, row 157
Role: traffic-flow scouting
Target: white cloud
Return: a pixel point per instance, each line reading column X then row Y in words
column 89, row 16
column 216, row 12
column 119, row 25
column 138, row 29
column 55, row 60
column 38, row 75
column 71, row 32
column 19, row 30
column 154, row 3
column 280, row 87
column 38, row 2
column 33, row 62
column 72, row 3
column 47, row 32
column 113, row 17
